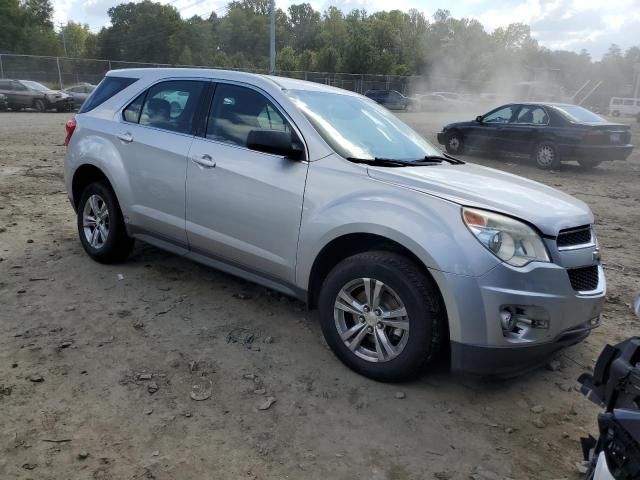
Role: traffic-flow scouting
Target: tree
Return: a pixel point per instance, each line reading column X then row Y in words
column 77, row 38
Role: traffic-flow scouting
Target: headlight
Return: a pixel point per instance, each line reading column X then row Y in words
column 513, row 242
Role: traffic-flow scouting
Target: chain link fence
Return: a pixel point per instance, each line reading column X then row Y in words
column 62, row 72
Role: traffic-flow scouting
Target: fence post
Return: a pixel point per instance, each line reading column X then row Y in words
column 59, row 72
column 1, row 68
column 109, row 64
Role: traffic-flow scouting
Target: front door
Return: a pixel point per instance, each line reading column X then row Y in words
column 244, row 207
column 487, row 135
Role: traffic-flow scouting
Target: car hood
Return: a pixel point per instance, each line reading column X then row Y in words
column 476, row 186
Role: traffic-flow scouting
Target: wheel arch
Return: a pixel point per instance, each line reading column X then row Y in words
column 351, row 244
column 83, row 176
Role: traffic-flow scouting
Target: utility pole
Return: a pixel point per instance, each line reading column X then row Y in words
column 272, row 43
column 64, row 40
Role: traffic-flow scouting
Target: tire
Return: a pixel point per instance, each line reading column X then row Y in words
column 588, row 163
column 403, row 285
column 117, row 245
column 615, row 113
column 454, row 143
column 39, row 105
column 545, row 154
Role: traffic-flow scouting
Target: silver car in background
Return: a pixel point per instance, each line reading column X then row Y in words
column 326, row 196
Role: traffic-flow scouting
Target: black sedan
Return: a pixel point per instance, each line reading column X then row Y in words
column 547, row 132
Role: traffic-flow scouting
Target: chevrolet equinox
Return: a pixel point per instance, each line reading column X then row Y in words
column 323, row 195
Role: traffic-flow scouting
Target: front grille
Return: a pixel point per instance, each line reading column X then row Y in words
column 574, row 236
column 584, row 279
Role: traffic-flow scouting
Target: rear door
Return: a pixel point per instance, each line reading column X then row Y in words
column 243, row 206
column 153, row 139
column 24, row 97
column 526, row 127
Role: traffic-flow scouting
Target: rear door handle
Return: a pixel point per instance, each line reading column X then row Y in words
column 125, row 137
column 204, row 161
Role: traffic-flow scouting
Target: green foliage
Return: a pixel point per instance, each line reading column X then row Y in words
column 456, row 53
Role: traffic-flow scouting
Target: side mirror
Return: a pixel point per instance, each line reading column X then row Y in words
column 479, row 119
column 636, row 306
column 275, row 142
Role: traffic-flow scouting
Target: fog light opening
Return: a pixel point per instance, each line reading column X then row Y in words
column 507, row 320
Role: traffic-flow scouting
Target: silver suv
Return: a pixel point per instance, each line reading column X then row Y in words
column 324, row 195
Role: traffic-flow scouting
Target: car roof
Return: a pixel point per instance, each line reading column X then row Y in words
column 260, row 80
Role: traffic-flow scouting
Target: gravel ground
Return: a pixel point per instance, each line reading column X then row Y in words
column 98, row 363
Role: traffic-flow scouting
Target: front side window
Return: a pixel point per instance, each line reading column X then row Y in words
column 168, row 105
column 502, row 115
column 617, row 101
column 236, row 111
column 355, row 127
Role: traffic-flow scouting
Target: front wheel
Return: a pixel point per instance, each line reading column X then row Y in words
column 39, row 105
column 381, row 315
column 101, row 225
column 454, row 143
column 546, row 156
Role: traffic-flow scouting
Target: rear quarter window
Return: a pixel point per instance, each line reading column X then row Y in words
column 105, row 90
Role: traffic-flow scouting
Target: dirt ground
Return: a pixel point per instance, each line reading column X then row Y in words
column 97, row 362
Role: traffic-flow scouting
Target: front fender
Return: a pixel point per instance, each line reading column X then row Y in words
column 430, row 227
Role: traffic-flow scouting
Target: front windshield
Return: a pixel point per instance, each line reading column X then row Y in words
column 356, row 127
column 579, row 114
column 35, row 86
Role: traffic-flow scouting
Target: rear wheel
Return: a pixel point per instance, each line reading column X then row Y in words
column 101, row 225
column 39, row 105
column 454, row 143
column 381, row 315
column 588, row 163
column 546, row 156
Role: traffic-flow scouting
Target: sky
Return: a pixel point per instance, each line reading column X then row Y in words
column 556, row 24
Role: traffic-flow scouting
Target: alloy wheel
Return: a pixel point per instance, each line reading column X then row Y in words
column 371, row 320
column 95, row 221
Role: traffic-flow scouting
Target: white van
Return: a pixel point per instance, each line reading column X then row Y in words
column 624, row 106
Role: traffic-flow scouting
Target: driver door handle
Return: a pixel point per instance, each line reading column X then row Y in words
column 204, row 161
column 125, row 137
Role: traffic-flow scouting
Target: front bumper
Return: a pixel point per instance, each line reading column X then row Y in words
column 597, row 152
column 65, row 104
column 510, row 361
column 551, row 315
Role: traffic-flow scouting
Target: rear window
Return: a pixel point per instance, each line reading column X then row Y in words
column 579, row 114
column 107, row 89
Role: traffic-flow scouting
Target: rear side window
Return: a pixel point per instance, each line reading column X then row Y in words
column 628, row 102
column 172, row 105
column 107, row 89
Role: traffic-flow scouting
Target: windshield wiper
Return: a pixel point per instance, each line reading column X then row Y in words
column 445, row 157
column 392, row 162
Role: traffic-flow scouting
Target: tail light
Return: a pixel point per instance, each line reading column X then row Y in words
column 596, row 137
column 70, row 127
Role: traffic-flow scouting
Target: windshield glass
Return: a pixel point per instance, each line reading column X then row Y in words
column 359, row 128
column 35, row 86
column 579, row 114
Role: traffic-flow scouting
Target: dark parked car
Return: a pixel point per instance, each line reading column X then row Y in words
column 548, row 132
column 392, row 99
column 79, row 93
column 4, row 102
column 23, row 94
